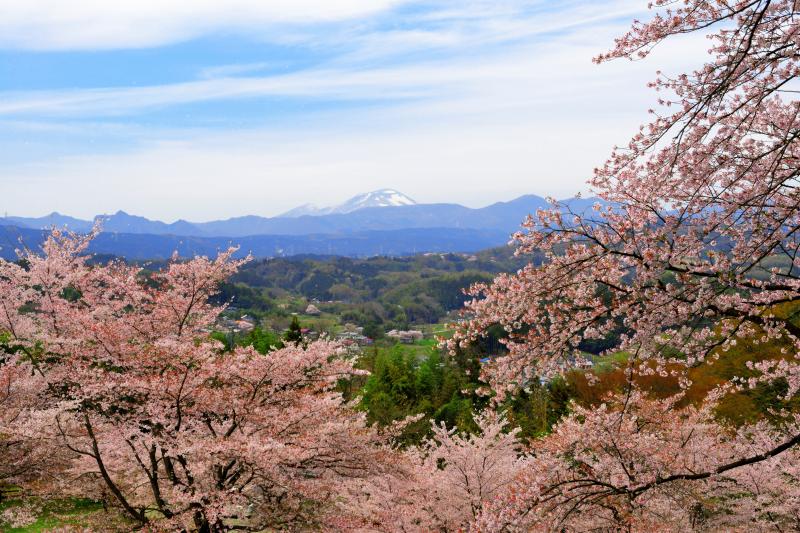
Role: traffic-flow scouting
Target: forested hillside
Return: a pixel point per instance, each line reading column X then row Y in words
column 380, row 291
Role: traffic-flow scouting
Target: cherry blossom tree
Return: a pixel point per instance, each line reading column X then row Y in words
column 443, row 484
column 24, row 459
column 118, row 374
column 693, row 249
column 648, row 465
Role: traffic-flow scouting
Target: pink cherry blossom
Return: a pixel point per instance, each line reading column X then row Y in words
column 114, row 389
column 695, row 248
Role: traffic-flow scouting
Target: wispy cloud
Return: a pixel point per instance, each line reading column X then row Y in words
column 471, row 100
column 449, row 59
column 237, row 69
column 92, row 25
column 324, row 83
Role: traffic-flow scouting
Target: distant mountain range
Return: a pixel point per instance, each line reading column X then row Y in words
column 359, row 244
column 384, row 222
column 380, row 210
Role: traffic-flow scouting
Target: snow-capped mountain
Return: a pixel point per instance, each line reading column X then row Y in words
column 380, row 198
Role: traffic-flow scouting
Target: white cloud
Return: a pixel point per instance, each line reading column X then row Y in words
column 557, row 70
column 469, row 41
column 236, row 69
column 323, row 83
column 105, row 24
column 115, row 24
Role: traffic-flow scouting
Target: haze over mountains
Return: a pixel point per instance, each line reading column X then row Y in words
column 384, row 222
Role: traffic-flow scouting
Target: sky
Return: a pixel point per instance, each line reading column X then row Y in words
column 204, row 109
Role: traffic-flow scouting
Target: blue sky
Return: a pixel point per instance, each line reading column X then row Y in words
column 207, row 109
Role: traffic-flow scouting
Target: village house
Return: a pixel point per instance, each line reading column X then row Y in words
column 406, row 337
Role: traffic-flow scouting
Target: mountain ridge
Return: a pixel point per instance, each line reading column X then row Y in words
column 500, row 216
column 138, row 246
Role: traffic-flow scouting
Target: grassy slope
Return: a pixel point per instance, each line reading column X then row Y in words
column 72, row 513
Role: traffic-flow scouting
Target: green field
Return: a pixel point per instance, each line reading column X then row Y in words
column 73, row 514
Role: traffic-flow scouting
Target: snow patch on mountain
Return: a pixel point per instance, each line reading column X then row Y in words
column 380, row 198
column 303, row 210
